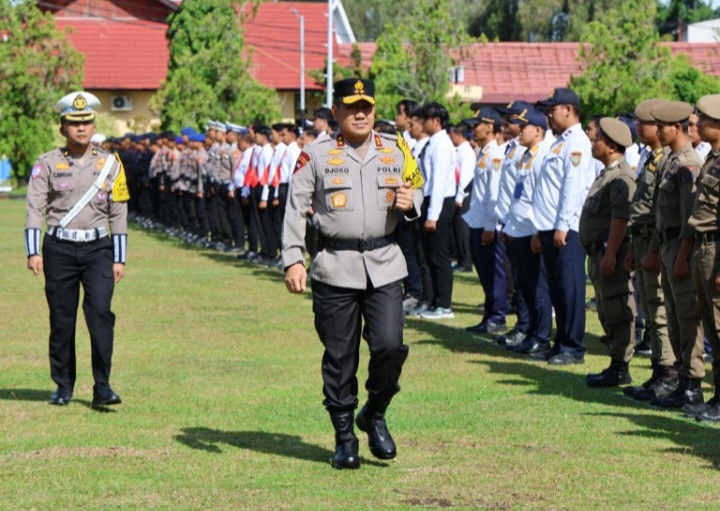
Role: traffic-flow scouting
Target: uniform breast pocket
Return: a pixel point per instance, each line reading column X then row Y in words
column 338, row 193
column 667, row 196
column 592, row 205
column 710, row 192
column 387, row 186
column 63, row 185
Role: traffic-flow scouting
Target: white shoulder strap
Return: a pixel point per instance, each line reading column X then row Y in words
column 96, row 186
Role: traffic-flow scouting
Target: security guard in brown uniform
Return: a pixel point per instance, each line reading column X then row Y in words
column 354, row 184
column 603, row 229
column 642, row 228
column 705, row 221
column 82, row 193
column 674, row 244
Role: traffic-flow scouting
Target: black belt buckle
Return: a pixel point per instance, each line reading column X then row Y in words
column 362, row 246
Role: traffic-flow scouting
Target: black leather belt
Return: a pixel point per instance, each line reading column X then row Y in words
column 599, row 247
column 356, row 245
column 670, row 234
column 642, row 230
column 707, row 236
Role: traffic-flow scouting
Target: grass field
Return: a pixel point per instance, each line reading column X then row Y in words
column 218, row 367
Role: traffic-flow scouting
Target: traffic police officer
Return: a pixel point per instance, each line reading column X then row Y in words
column 673, row 245
column 355, row 186
column 603, row 226
column 649, row 287
column 82, row 194
column 705, row 221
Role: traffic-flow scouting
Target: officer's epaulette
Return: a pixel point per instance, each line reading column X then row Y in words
column 659, row 155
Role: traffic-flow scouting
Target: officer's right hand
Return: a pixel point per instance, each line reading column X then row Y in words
column 630, row 261
column 651, row 262
column 296, row 278
column 535, row 246
column 35, row 264
column 245, row 201
column 199, row 195
column 262, row 205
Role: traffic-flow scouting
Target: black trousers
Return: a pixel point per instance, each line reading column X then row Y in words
column 436, row 246
column 338, row 321
column 67, row 265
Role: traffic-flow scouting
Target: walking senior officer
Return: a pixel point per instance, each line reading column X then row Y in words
column 82, row 194
column 355, row 186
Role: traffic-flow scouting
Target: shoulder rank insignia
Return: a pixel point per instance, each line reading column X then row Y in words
column 558, row 149
column 387, row 160
column 336, row 161
column 575, row 158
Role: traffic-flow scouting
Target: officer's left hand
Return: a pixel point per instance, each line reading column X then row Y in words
column 559, row 239
column 296, row 278
column 118, row 272
column 276, row 202
column 404, row 197
column 231, row 194
column 487, row 238
column 681, row 271
column 607, row 265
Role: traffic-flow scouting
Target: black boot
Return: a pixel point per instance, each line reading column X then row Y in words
column 656, row 372
column 346, row 443
column 371, row 420
column 710, row 411
column 616, row 374
column 666, row 384
column 688, row 392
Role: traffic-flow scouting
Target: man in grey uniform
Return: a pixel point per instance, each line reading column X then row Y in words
column 82, row 194
column 355, row 185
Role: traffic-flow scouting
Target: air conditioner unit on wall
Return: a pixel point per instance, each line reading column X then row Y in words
column 121, row 103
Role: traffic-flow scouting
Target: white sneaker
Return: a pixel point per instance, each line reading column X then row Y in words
column 409, row 303
column 418, row 310
column 438, row 313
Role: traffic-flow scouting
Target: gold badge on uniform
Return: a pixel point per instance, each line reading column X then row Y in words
column 62, row 166
column 338, row 181
column 575, row 158
column 333, row 152
column 336, row 161
column 385, row 149
column 387, row 160
column 339, row 200
column 390, row 196
column 80, row 103
column 391, row 180
column 100, row 164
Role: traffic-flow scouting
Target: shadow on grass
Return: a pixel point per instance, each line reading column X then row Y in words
column 24, row 395
column 691, row 437
column 280, row 444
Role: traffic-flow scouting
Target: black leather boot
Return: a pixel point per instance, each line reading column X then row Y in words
column 371, row 420
column 688, row 392
column 632, row 389
column 666, row 383
column 346, row 443
column 616, row 374
column 711, row 410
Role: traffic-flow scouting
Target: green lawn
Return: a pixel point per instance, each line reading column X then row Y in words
column 219, row 370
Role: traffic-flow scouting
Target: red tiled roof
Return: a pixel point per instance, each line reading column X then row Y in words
column 530, row 71
column 274, row 34
column 120, row 55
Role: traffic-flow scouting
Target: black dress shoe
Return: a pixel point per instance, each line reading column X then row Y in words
column 487, row 327
column 60, row 398
column 531, row 346
column 511, row 339
column 711, row 414
column 381, row 443
column 687, row 392
column 609, row 377
column 564, row 359
column 105, row 397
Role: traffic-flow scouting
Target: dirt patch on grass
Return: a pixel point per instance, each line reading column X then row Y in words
column 89, row 452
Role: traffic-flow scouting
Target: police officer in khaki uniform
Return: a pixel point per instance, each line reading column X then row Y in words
column 603, row 229
column 354, row 184
column 705, row 221
column 673, row 245
column 642, row 229
column 82, row 194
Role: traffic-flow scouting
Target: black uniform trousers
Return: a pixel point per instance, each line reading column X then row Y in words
column 436, row 246
column 68, row 264
column 489, row 262
column 338, row 321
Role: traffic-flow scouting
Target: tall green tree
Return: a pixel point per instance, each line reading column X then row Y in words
column 672, row 16
column 38, row 65
column 209, row 73
column 415, row 61
column 498, row 20
column 624, row 63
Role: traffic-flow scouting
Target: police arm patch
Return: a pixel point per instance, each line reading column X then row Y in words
column 302, row 160
column 575, row 158
column 120, row 191
column 36, row 170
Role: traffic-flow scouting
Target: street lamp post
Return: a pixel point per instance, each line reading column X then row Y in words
column 302, row 67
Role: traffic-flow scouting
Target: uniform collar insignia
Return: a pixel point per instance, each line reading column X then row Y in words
column 378, row 141
column 340, row 140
